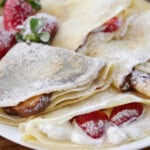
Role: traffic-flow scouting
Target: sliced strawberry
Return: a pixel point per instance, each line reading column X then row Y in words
column 112, row 25
column 15, row 13
column 7, row 40
column 126, row 113
column 93, row 124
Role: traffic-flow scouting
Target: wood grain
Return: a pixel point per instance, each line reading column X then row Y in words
column 8, row 145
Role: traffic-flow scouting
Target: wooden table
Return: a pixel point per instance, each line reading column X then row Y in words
column 7, row 145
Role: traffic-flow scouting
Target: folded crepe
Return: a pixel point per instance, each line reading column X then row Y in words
column 141, row 5
column 77, row 18
column 123, row 118
column 128, row 48
column 35, row 78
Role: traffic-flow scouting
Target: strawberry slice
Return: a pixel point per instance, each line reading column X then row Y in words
column 7, row 40
column 93, row 124
column 126, row 113
column 15, row 13
column 112, row 25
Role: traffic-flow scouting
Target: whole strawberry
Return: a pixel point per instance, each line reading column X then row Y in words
column 7, row 40
column 16, row 12
column 39, row 28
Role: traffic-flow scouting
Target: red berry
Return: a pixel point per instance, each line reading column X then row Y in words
column 15, row 13
column 126, row 113
column 7, row 40
column 92, row 123
column 51, row 23
column 112, row 25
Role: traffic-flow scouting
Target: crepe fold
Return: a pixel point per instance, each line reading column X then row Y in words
column 77, row 18
column 41, row 129
column 29, row 70
column 128, row 48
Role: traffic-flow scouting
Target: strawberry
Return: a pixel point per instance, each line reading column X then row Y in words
column 16, row 12
column 112, row 25
column 7, row 40
column 93, row 124
column 39, row 28
column 126, row 113
column 51, row 23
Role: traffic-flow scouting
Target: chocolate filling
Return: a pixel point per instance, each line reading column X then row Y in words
column 134, row 78
column 30, row 107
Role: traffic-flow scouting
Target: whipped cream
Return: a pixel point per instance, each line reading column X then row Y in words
column 116, row 135
column 113, row 134
column 57, row 132
column 132, row 130
column 69, row 132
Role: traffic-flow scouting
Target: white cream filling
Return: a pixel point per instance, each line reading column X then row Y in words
column 80, row 137
column 57, row 132
column 113, row 134
column 128, row 131
column 69, row 132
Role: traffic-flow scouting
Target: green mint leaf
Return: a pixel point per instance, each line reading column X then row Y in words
column 36, row 25
column 32, row 38
column 35, row 4
column 2, row 3
column 44, row 37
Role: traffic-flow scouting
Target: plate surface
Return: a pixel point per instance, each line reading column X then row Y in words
column 13, row 134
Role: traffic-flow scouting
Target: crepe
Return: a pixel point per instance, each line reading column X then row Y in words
column 141, row 5
column 77, row 18
column 41, row 129
column 127, row 48
column 29, row 70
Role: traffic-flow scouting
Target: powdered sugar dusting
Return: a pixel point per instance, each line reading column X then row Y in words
column 124, row 115
column 47, row 17
column 140, row 77
column 93, row 128
column 5, row 39
column 29, row 70
column 15, row 12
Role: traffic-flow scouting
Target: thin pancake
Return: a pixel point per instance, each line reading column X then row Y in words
column 125, row 52
column 98, row 101
column 77, row 18
column 29, row 70
column 101, row 83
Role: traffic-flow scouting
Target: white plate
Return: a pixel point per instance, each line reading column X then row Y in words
column 13, row 134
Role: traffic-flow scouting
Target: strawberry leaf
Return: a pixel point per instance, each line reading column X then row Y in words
column 45, row 37
column 36, row 25
column 2, row 3
column 35, row 4
column 18, row 37
column 35, row 33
